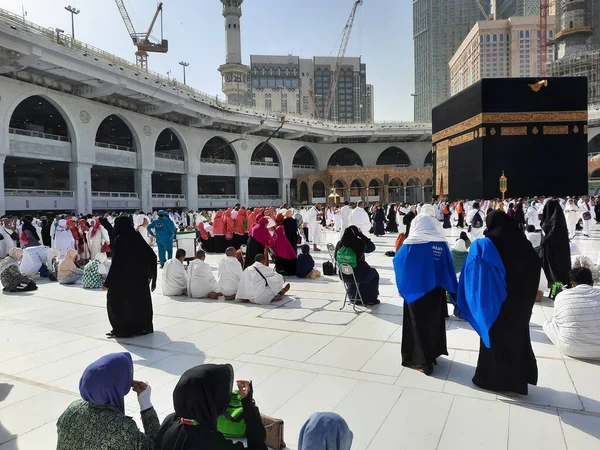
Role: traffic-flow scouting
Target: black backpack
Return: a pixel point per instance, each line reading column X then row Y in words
column 477, row 221
column 328, row 268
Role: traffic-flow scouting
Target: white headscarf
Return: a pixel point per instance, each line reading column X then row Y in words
column 425, row 229
column 103, row 266
column 428, row 210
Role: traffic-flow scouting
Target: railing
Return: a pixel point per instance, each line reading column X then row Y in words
column 216, row 161
column 115, row 194
column 37, row 134
column 173, row 196
column 17, row 22
column 396, row 165
column 115, row 147
column 262, row 163
column 220, row 196
column 302, row 166
column 264, row 197
column 36, row 193
column 168, row 156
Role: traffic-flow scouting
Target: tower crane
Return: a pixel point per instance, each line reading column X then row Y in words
column 340, row 59
column 545, row 7
column 144, row 41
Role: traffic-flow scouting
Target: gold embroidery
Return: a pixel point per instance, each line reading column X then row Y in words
column 556, row 129
column 513, row 131
column 535, row 130
column 493, row 131
column 511, row 117
column 467, row 137
column 535, row 87
column 482, row 131
column 575, row 129
column 441, row 165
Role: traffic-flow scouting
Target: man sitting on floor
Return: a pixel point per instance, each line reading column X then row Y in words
column 260, row 284
column 230, row 273
column 174, row 280
column 575, row 325
column 201, row 281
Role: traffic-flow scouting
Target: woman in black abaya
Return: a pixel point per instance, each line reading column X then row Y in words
column 392, row 225
column 131, row 277
column 509, row 364
column 378, row 221
column 555, row 251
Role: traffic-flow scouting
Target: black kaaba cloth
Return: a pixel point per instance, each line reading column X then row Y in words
column 533, row 129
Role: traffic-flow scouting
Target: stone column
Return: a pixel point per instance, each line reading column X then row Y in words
column 2, row 201
column 81, row 185
column 190, row 188
column 242, row 190
column 143, row 187
column 423, row 194
column 310, row 195
column 386, row 193
column 404, row 194
column 284, row 190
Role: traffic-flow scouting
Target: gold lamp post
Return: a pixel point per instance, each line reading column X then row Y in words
column 503, row 184
column 334, row 198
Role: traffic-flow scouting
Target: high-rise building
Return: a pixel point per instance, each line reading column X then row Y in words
column 499, row 49
column 370, row 104
column 576, row 40
column 439, row 27
column 235, row 75
column 513, row 8
column 288, row 84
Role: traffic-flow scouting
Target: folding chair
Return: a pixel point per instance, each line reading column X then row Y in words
column 331, row 250
column 348, row 271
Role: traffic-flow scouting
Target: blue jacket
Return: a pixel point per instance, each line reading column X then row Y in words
column 164, row 230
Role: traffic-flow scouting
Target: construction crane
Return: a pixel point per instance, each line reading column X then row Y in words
column 144, row 41
column 483, row 11
column 545, row 6
column 340, row 59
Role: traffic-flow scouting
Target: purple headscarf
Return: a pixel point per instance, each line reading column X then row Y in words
column 108, row 380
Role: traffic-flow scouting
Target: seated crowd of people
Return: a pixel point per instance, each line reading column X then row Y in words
column 201, row 399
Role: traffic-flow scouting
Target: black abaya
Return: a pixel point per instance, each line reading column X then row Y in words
column 291, row 231
column 378, row 220
column 555, row 251
column 133, row 268
column 253, row 248
column 392, row 225
column 407, row 220
column 510, row 365
column 424, row 329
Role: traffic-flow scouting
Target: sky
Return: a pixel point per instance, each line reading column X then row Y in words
column 382, row 35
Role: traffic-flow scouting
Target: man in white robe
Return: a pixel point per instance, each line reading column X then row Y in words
column 174, row 277
column 345, row 213
column 260, row 284
column 230, row 273
column 532, row 215
column 314, row 227
column 360, row 219
column 6, row 230
column 63, row 238
column 572, row 215
column 476, row 231
column 201, row 281
column 575, row 325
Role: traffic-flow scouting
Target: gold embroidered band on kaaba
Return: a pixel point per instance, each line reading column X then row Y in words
column 510, row 118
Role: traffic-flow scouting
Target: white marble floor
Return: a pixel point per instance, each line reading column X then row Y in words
column 304, row 355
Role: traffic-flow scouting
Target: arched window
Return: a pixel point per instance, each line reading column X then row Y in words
column 35, row 114
column 345, row 157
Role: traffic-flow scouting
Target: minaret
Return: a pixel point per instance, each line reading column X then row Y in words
column 235, row 75
column 573, row 27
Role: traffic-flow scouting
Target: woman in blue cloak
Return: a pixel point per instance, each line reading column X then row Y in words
column 497, row 290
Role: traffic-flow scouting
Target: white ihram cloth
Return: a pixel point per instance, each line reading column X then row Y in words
column 174, row 278
column 34, row 257
column 430, row 211
column 230, row 273
column 533, row 217
column 63, row 238
column 201, row 280
column 572, row 216
column 7, row 243
column 314, row 227
column 345, row 214
column 535, row 238
column 475, row 233
column 256, row 289
column 360, row 219
column 101, row 237
column 425, row 229
column 575, row 326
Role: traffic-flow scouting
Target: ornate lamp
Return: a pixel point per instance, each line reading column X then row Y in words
column 503, row 184
column 334, row 198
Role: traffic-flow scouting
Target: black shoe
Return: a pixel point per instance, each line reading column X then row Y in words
column 372, row 302
column 427, row 369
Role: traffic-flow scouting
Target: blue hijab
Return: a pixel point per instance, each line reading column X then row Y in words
column 424, row 261
column 108, row 380
column 482, row 287
column 305, row 263
column 325, row 431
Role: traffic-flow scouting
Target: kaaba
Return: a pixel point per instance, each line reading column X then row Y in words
column 532, row 129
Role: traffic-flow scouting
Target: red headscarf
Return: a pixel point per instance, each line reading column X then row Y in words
column 282, row 246
column 229, row 222
column 72, row 227
column 203, row 233
column 239, row 222
column 95, row 226
column 218, row 224
column 260, row 233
